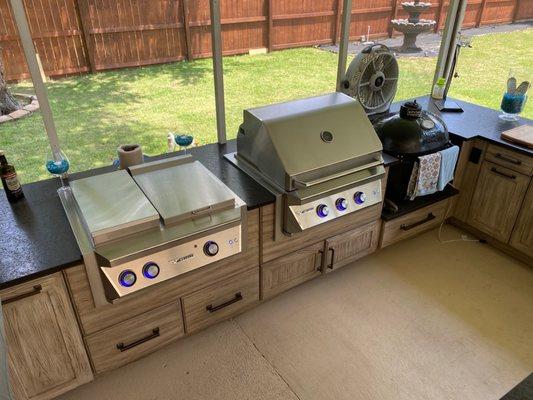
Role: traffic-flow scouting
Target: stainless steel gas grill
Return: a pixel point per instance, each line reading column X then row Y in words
column 160, row 220
column 320, row 155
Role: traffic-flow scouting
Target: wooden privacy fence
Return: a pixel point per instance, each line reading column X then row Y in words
column 75, row 36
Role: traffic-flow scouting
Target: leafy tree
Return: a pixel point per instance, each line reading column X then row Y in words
column 8, row 103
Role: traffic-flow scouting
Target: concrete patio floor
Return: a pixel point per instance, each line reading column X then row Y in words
column 417, row 320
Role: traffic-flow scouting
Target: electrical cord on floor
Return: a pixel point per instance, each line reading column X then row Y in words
column 464, row 238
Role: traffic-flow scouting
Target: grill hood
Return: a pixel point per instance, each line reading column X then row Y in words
column 306, row 142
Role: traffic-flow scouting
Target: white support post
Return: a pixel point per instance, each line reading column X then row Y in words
column 343, row 45
column 218, row 73
column 450, row 35
column 35, row 72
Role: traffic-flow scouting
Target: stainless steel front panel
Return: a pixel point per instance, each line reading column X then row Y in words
column 175, row 261
column 304, row 216
column 183, row 191
column 112, row 206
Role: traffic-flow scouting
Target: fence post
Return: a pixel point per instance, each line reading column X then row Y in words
column 439, row 15
column 186, row 25
column 82, row 10
column 270, row 25
column 394, row 13
column 338, row 13
column 516, row 9
column 480, row 14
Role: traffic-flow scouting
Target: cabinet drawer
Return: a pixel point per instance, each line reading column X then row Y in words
column 510, row 159
column 288, row 271
column 134, row 338
column 220, row 301
column 413, row 223
column 350, row 246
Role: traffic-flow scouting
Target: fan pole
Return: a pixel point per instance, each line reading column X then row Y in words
column 343, row 46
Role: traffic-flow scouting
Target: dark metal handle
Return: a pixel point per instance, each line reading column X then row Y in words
column 493, row 169
column 123, row 347
column 211, row 308
column 321, row 258
column 430, row 217
column 36, row 290
column 508, row 159
column 330, row 266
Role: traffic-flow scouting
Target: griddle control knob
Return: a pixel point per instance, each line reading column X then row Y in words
column 211, row 249
column 322, row 210
column 150, row 270
column 341, row 204
column 359, row 197
column 127, row 278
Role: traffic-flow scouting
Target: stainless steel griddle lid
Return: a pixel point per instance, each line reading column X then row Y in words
column 112, row 206
column 181, row 189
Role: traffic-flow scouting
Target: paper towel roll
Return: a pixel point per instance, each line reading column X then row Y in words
column 129, row 155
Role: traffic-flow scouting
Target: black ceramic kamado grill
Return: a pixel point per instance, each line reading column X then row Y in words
column 407, row 135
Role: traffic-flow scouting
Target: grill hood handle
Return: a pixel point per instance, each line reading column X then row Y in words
column 299, row 184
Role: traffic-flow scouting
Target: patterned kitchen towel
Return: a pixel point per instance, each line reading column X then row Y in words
column 425, row 176
column 5, row 391
column 447, row 166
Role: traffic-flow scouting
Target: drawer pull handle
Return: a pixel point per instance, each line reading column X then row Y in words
column 493, row 169
column 508, row 159
column 123, row 347
column 36, row 290
column 330, row 266
column 321, row 259
column 212, row 308
column 430, row 217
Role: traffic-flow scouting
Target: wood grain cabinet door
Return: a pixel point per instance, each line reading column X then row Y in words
column 522, row 237
column 497, row 200
column 291, row 270
column 350, row 246
column 46, row 356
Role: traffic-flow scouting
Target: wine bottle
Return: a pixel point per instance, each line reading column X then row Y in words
column 10, row 180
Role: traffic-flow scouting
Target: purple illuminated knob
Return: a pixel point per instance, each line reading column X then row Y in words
column 211, row 249
column 359, row 197
column 341, row 204
column 322, row 210
column 150, row 270
column 127, row 278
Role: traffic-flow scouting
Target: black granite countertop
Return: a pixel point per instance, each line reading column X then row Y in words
column 475, row 122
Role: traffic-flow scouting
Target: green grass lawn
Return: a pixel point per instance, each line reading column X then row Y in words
column 95, row 113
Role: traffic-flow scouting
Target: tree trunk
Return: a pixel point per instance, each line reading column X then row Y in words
column 8, row 103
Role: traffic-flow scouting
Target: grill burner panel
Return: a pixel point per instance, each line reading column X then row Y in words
column 173, row 262
column 307, row 215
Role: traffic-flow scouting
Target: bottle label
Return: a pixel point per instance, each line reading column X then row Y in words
column 12, row 182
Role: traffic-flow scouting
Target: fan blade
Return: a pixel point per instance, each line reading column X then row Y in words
column 382, row 97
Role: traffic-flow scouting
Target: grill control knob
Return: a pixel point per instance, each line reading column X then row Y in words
column 211, row 249
column 359, row 197
column 127, row 278
column 341, row 204
column 322, row 210
column 150, row 270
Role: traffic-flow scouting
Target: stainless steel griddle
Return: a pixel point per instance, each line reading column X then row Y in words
column 154, row 222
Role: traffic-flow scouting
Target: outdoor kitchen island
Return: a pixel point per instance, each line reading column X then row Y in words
column 44, row 287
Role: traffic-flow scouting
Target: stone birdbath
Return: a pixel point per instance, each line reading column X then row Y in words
column 413, row 26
